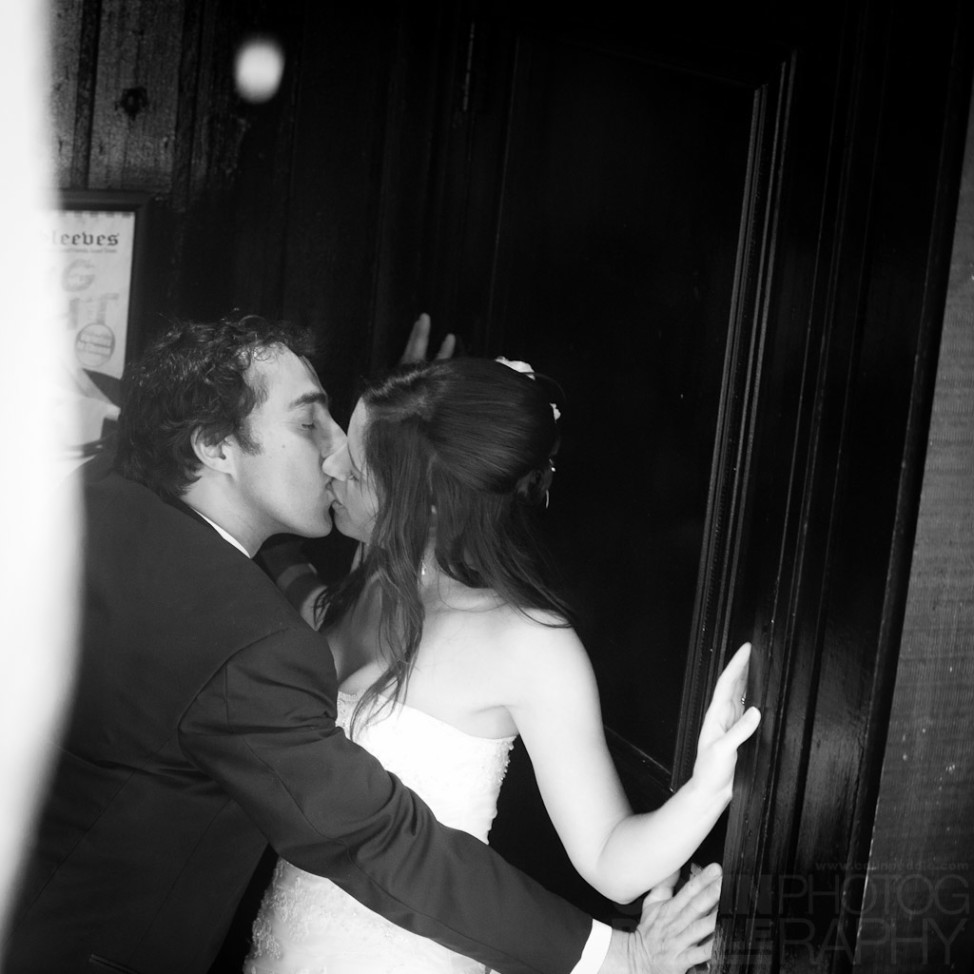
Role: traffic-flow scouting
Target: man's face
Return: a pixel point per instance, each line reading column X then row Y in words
column 281, row 487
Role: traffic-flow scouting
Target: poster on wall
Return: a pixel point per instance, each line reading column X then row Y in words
column 93, row 244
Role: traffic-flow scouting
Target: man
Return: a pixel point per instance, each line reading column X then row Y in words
column 202, row 725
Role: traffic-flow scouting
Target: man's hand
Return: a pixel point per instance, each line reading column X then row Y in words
column 418, row 343
column 675, row 932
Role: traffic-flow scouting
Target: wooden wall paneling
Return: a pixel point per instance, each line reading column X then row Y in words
column 469, row 168
column 209, row 130
column 136, row 95
column 259, row 161
column 889, row 405
column 80, row 50
column 238, row 165
column 612, row 268
column 66, row 47
column 421, row 85
column 795, row 574
column 782, row 550
column 332, row 221
column 197, row 109
column 800, row 825
column 126, row 100
column 176, row 214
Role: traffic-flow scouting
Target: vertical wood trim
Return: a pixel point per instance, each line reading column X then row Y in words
column 263, row 226
column 747, row 329
column 65, row 47
column 84, row 99
column 189, row 86
column 421, row 57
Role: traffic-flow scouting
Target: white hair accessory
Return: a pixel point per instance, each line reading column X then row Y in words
column 525, row 369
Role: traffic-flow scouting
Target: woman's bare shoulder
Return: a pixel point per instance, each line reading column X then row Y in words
column 535, row 641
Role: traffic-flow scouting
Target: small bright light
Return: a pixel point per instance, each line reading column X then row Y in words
column 258, row 69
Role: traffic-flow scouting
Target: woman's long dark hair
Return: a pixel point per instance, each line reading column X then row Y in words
column 460, row 454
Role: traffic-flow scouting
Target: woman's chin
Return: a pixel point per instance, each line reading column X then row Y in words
column 345, row 524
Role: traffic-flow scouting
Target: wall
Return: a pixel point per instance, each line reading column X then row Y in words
column 271, row 207
column 916, row 907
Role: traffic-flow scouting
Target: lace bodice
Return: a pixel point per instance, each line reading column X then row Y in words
column 307, row 925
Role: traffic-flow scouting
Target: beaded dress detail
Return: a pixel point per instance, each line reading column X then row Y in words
column 307, row 925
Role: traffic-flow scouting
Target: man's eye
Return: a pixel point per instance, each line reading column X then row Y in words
column 308, row 426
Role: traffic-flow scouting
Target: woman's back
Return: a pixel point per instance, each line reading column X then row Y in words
column 308, row 924
column 448, row 738
column 473, row 658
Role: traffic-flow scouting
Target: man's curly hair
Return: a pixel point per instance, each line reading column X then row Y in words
column 194, row 378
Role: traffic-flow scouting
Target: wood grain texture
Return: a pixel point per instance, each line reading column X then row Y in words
column 136, row 95
column 65, row 41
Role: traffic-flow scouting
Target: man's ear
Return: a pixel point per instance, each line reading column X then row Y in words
column 215, row 455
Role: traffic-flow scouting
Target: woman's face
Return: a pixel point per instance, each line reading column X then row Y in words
column 356, row 503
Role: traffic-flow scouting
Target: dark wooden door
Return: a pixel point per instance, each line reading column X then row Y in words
column 607, row 216
column 616, row 245
column 715, row 233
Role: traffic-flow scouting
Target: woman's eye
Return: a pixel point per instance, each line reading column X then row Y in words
column 307, row 426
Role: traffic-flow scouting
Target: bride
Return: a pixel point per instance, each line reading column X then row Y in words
column 449, row 643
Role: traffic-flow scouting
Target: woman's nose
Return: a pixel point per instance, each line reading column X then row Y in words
column 336, row 464
column 333, row 445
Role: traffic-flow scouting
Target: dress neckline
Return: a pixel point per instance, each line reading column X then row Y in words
column 354, row 697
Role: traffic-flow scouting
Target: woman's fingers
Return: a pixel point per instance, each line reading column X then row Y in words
column 733, row 680
column 727, row 703
column 663, row 890
column 743, row 728
column 448, row 347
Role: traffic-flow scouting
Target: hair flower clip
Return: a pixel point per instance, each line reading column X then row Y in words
column 525, row 369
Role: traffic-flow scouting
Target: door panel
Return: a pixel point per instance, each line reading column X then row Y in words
column 619, row 239
column 609, row 217
column 725, row 244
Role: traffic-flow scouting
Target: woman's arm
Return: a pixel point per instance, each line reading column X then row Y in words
column 556, row 709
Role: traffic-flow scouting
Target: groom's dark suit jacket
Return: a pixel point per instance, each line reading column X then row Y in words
column 202, row 727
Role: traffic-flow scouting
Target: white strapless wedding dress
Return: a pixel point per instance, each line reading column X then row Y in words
column 307, row 925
